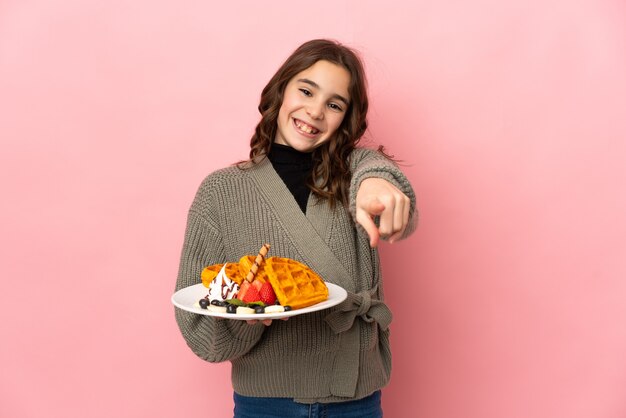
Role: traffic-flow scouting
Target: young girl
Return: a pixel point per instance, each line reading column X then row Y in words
column 316, row 197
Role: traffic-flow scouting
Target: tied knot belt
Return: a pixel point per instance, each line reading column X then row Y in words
column 343, row 321
column 359, row 304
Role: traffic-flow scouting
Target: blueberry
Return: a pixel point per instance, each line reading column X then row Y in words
column 222, row 303
column 203, row 303
column 231, row 309
column 215, row 302
column 287, row 308
column 259, row 309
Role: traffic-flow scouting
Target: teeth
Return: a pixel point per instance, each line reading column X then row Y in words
column 306, row 128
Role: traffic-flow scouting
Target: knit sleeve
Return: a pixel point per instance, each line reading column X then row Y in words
column 212, row 339
column 366, row 163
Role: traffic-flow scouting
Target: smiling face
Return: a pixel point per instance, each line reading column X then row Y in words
column 314, row 104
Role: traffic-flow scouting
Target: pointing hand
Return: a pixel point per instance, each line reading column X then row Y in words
column 378, row 197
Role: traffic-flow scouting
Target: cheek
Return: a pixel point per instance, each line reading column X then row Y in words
column 281, row 111
column 335, row 123
column 288, row 104
column 282, row 114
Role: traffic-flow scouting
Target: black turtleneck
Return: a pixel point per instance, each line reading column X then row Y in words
column 294, row 168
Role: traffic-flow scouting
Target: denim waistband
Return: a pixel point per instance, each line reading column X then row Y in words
column 258, row 407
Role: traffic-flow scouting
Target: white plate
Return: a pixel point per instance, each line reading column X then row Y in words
column 188, row 297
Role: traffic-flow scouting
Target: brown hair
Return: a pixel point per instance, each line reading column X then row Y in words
column 330, row 160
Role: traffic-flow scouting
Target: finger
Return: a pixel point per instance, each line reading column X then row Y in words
column 398, row 219
column 267, row 322
column 404, row 220
column 387, row 219
column 372, row 207
column 368, row 224
column 252, row 321
column 398, row 215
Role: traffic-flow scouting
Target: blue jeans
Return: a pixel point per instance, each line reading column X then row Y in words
column 251, row 407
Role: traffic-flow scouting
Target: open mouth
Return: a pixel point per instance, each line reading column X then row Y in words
column 306, row 128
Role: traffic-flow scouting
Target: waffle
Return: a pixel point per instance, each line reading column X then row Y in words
column 209, row 273
column 245, row 263
column 294, row 283
column 233, row 272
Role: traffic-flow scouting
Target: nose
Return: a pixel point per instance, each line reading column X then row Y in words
column 315, row 110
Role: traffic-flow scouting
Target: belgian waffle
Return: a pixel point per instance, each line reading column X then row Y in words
column 245, row 263
column 209, row 273
column 294, row 283
column 233, row 272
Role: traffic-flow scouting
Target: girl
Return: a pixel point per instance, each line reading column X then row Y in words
column 318, row 198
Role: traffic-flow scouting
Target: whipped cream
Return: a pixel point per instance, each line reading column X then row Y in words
column 221, row 287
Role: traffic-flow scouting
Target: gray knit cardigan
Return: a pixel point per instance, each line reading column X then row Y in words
column 337, row 354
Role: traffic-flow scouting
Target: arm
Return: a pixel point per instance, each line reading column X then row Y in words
column 211, row 339
column 382, row 200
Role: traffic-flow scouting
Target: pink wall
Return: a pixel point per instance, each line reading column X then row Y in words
column 511, row 120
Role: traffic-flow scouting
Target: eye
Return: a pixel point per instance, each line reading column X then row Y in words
column 306, row 92
column 335, row 106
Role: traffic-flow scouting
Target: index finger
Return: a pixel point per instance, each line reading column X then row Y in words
column 370, row 227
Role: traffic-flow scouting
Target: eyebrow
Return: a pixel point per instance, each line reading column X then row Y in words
column 334, row 96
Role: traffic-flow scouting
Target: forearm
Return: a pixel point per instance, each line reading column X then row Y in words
column 216, row 339
column 209, row 338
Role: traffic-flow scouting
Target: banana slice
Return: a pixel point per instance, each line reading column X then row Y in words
column 274, row 309
column 244, row 310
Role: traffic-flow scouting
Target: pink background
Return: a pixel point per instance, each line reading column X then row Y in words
column 509, row 301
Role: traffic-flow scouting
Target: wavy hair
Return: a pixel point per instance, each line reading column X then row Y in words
column 330, row 177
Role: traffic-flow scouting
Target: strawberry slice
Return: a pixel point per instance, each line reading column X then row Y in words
column 267, row 294
column 243, row 289
column 252, row 295
column 256, row 283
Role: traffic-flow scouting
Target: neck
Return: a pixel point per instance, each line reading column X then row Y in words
column 286, row 154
